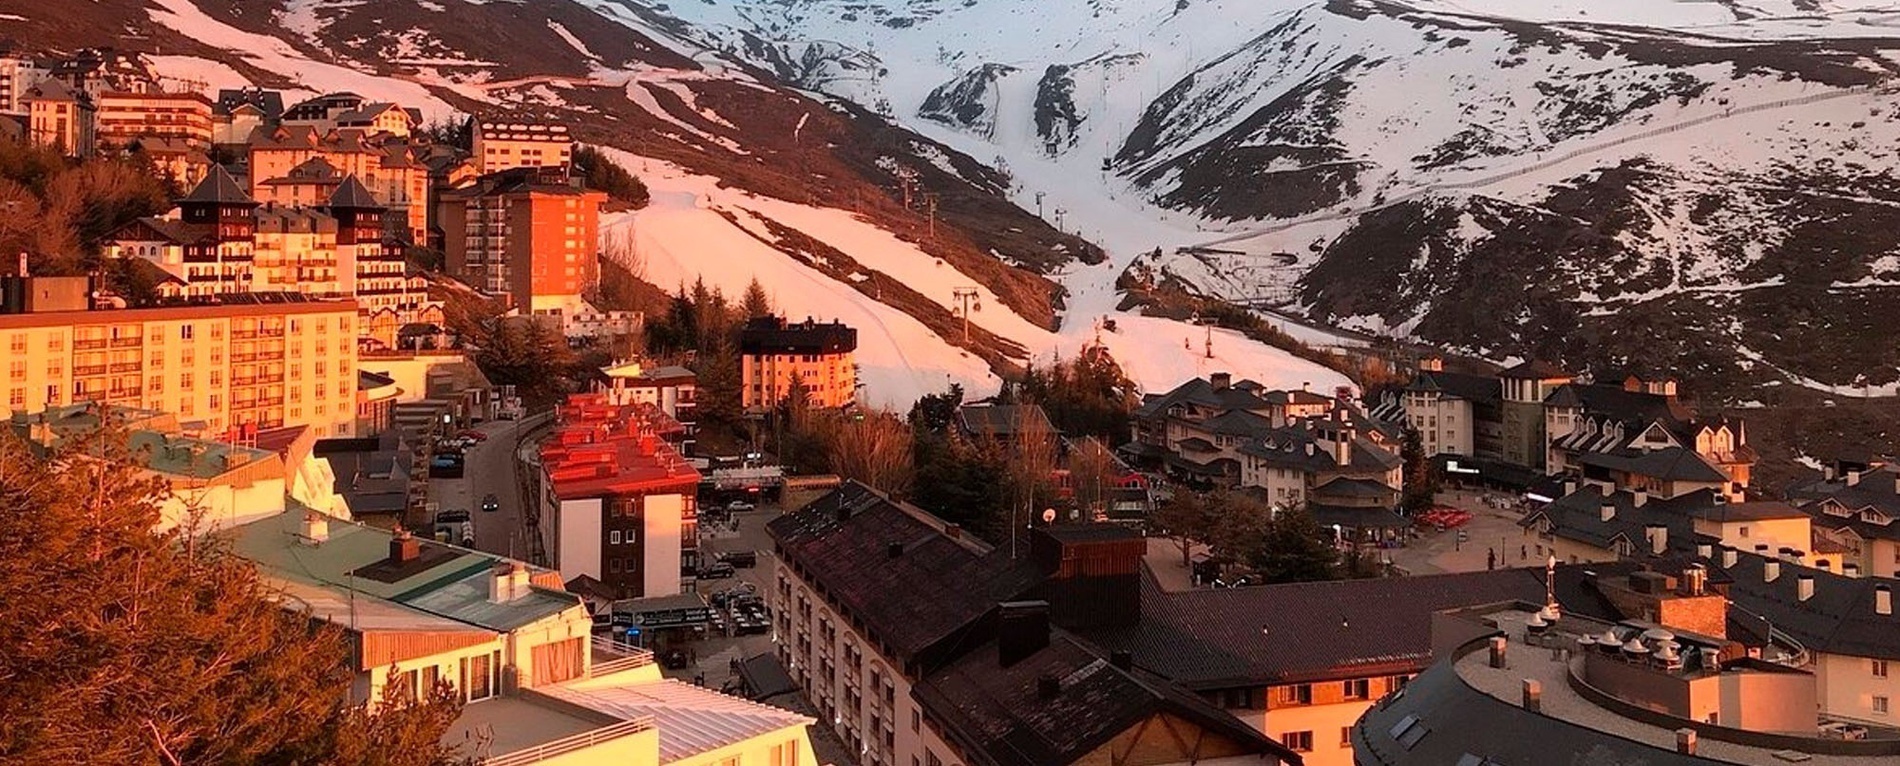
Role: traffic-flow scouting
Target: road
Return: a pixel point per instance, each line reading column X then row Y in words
column 490, row 469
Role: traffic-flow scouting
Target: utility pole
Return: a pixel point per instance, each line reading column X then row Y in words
column 966, row 298
column 1039, row 204
column 931, row 199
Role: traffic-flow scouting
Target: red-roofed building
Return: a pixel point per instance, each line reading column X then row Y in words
column 620, row 501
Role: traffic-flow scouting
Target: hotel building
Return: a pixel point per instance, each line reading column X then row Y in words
column 773, row 353
column 261, row 361
column 526, row 233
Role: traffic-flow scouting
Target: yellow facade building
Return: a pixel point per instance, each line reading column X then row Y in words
column 217, row 367
column 774, row 353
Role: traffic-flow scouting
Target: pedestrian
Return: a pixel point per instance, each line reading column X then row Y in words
column 1490, row 559
column 1523, row 552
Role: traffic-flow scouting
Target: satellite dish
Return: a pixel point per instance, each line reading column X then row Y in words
column 1048, row 515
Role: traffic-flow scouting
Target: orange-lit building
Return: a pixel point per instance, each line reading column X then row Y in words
column 59, row 117
column 248, row 361
column 385, row 163
column 503, row 145
column 125, row 117
column 773, row 352
column 526, row 233
column 620, row 502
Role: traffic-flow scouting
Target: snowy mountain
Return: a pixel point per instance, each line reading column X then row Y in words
column 838, row 211
column 1703, row 184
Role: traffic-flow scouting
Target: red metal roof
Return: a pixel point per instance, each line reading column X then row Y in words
column 601, row 449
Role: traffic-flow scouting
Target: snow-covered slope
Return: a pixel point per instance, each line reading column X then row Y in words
column 838, row 212
column 1625, row 167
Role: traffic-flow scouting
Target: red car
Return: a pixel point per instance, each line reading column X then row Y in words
column 474, row 434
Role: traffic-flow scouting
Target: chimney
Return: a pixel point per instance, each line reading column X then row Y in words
column 1770, row 570
column 1883, row 599
column 1606, row 489
column 1729, row 557
column 1761, row 549
column 404, row 548
column 1639, row 498
column 953, row 531
column 1309, row 449
column 1785, row 554
column 1221, row 381
column 1850, row 569
column 1498, row 651
column 1570, row 487
column 1685, row 741
column 1022, row 629
column 894, row 550
column 1658, row 536
column 1695, row 579
column 1853, row 478
column 1048, row 687
column 1827, row 472
column 1609, row 511
column 1342, row 447
column 1804, row 587
column 316, row 528
column 507, row 582
column 1896, row 482
column 1533, row 695
column 1122, row 658
column 1704, row 551
column 24, row 271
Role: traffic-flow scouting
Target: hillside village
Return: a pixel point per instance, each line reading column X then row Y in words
column 544, row 511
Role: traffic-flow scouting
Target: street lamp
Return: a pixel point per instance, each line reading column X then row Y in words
column 967, row 301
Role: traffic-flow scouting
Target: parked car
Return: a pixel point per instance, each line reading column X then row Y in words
column 473, row 434
column 740, row 505
column 741, row 559
column 491, row 504
column 716, row 571
column 446, row 466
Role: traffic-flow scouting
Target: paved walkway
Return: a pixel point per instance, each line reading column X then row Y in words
column 1492, row 530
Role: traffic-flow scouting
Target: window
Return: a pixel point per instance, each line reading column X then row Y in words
column 1880, row 668
column 16, row 398
column 1880, row 704
column 1357, row 689
column 1345, row 736
column 1741, row 531
column 184, row 381
column 184, row 332
column 916, row 719
column 478, row 676
column 215, row 401
column 613, row 538
column 1298, row 741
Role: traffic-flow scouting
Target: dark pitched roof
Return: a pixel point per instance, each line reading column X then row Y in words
column 1878, row 490
column 1294, row 397
column 1458, row 385
column 218, row 187
column 1534, row 370
column 352, row 195
column 998, row 716
column 1579, row 516
column 1359, row 488
column 1004, row 420
column 1243, row 423
column 1201, row 393
column 843, row 542
column 1619, row 403
column 1838, row 619
column 1227, row 638
column 1669, row 463
column 269, row 102
column 773, row 335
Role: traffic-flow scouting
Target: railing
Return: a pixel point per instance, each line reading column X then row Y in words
column 131, row 342
column 566, row 745
column 125, row 367
column 623, row 657
column 125, row 393
column 90, row 369
column 88, row 344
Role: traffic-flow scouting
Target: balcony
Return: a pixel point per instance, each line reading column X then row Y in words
column 131, row 342
column 89, row 344
column 610, row 658
column 89, row 370
column 125, row 367
column 126, row 393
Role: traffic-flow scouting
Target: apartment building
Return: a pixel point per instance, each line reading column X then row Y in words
column 529, row 234
column 262, row 360
column 621, row 504
column 537, row 687
column 334, row 249
column 18, row 72
column 96, row 71
column 123, row 118
column 821, row 357
column 923, row 645
column 507, row 144
column 1344, row 476
column 386, row 164
column 1853, row 508
column 59, row 117
column 672, row 388
column 239, row 111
